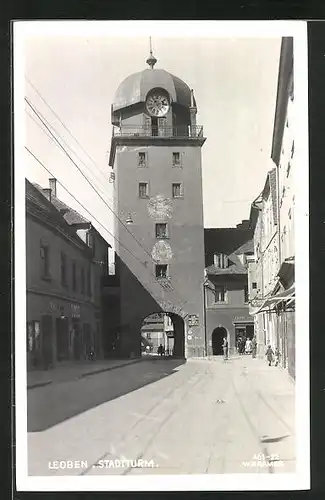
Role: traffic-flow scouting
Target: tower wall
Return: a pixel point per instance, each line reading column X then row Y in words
column 183, row 252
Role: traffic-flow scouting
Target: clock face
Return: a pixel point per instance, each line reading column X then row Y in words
column 157, row 105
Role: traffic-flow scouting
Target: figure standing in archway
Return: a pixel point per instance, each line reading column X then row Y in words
column 225, row 348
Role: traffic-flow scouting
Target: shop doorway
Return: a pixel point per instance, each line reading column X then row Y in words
column 218, row 335
column 77, row 340
column 47, row 347
column 62, row 339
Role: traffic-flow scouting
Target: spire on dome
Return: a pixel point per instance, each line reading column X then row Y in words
column 151, row 59
column 193, row 102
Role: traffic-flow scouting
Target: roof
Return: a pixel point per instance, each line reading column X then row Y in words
column 283, row 91
column 235, row 267
column 71, row 216
column 247, row 247
column 134, row 88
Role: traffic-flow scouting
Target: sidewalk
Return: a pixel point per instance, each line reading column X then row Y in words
column 72, row 370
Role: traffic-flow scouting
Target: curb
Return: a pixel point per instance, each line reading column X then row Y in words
column 109, row 368
column 85, row 374
column 39, row 384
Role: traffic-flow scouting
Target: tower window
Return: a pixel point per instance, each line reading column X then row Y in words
column 143, row 190
column 254, row 285
column 292, row 149
column 142, row 159
column 176, row 160
column 177, row 190
column 154, row 126
column 161, row 271
column 161, row 231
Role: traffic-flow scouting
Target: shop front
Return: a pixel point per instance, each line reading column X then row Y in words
column 58, row 330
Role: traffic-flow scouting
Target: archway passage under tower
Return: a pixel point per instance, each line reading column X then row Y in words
column 163, row 333
column 218, row 335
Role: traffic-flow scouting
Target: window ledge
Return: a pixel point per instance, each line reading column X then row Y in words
column 181, row 197
column 146, row 197
column 162, row 237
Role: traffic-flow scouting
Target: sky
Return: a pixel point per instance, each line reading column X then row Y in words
column 234, row 81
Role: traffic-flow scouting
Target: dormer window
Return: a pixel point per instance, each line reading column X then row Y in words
column 220, row 260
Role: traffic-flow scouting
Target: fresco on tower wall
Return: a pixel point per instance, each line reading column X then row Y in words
column 161, row 251
column 160, row 208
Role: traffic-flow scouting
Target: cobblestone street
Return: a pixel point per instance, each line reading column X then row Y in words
column 204, row 416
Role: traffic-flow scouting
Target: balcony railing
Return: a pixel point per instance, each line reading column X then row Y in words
column 159, row 132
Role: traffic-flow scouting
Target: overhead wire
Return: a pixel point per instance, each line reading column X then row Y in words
column 48, row 128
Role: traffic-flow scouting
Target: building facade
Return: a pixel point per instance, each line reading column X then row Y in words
column 156, row 167
column 63, row 298
column 273, row 270
column 226, row 287
column 264, row 266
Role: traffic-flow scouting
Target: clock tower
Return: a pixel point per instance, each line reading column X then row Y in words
column 155, row 157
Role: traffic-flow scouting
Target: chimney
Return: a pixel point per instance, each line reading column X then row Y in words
column 47, row 193
column 52, row 183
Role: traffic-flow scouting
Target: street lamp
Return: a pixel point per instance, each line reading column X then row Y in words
column 129, row 219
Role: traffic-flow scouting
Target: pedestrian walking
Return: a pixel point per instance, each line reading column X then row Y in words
column 248, row 346
column 161, row 350
column 276, row 356
column 242, row 345
column 254, row 347
column 225, row 348
column 238, row 345
column 269, row 355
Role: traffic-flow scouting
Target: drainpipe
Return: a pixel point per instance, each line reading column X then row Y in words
column 205, row 321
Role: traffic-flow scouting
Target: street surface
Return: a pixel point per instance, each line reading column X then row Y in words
column 203, row 416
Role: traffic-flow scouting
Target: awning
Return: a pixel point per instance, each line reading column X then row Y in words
column 283, row 296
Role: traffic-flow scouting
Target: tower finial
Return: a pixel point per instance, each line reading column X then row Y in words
column 151, row 59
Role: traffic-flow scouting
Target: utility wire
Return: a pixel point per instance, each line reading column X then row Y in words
column 57, row 116
column 91, row 215
column 86, row 178
column 38, row 114
column 67, row 146
column 72, row 196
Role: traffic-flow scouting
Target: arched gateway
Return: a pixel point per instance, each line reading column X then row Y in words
column 218, row 335
column 166, row 330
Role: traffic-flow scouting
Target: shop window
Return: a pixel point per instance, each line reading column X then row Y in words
column 177, row 191
column 142, row 159
column 64, row 269
column 45, row 261
column 220, row 294
column 161, row 231
column 161, row 271
column 143, row 190
column 176, row 159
